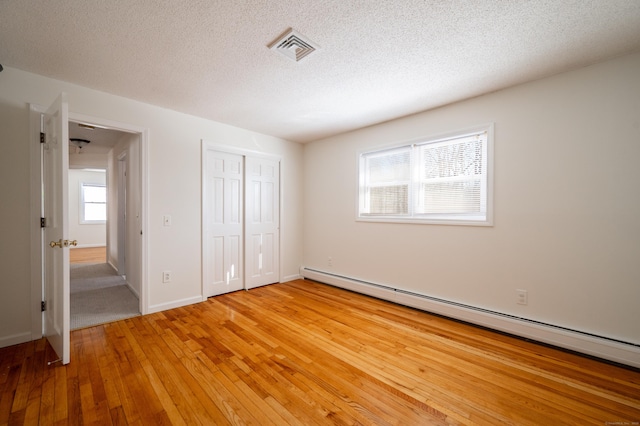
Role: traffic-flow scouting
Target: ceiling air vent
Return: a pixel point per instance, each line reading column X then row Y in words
column 294, row 46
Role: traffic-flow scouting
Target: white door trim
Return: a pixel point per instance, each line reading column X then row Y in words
column 36, row 239
column 214, row 146
column 122, row 224
column 144, row 190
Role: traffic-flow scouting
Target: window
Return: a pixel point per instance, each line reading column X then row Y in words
column 93, row 203
column 444, row 180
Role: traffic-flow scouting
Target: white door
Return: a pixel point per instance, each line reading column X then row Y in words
column 223, row 185
column 56, row 259
column 262, row 221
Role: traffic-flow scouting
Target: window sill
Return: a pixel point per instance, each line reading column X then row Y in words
column 424, row 221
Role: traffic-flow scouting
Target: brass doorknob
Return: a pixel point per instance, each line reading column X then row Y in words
column 68, row 243
column 54, row 244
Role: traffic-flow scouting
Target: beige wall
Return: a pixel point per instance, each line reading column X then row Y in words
column 15, row 292
column 566, row 201
column 174, row 183
column 567, row 205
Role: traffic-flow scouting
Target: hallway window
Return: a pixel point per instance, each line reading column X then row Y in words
column 93, row 203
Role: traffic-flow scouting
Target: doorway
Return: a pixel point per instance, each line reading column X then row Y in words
column 49, row 133
column 101, row 290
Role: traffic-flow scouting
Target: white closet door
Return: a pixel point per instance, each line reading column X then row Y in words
column 223, row 223
column 262, row 222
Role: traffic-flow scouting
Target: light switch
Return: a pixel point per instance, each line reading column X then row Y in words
column 166, row 220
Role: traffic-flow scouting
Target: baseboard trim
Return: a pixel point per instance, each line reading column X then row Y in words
column 290, row 278
column 79, row 246
column 115, row 268
column 15, row 339
column 133, row 290
column 174, row 304
column 589, row 344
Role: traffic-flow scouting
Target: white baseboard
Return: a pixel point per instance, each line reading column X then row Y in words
column 15, row 339
column 133, row 290
column 290, row 278
column 601, row 347
column 174, row 304
column 115, row 268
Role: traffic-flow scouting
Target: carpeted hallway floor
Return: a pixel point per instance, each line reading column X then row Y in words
column 99, row 295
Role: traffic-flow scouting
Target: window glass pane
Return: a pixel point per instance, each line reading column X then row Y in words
column 389, row 168
column 387, row 182
column 452, row 159
column 94, row 194
column 94, row 199
column 450, row 197
column 389, row 200
column 95, row 211
column 451, row 174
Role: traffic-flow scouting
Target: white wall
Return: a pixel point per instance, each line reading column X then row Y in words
column 567, row 206
column 174, row 184
column 15, row 305
column 87, row 160
column 87, row 235
column 129, row 146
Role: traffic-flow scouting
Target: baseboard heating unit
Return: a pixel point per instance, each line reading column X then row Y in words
column 598, row 346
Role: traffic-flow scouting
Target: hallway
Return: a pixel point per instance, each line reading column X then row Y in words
column 98, row 294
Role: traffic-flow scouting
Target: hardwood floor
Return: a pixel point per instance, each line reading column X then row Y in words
column 307, row 353
column 88, row 255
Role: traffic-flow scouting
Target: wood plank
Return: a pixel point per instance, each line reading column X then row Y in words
column 88, row 255
column 307, row 353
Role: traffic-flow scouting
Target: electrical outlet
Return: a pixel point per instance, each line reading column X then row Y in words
column 166, row 276
column 329, row 261
column 521, row 297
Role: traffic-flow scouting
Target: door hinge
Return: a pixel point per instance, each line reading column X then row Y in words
column 43, row 138
column 43, row 306
column 43, row 222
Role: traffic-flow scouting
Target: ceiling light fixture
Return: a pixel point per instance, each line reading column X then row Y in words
column 294, row 45
column 80, row 143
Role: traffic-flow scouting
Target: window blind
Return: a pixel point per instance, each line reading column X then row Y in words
column 388, row 176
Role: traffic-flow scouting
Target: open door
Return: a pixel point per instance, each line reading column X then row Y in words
column 56, row 250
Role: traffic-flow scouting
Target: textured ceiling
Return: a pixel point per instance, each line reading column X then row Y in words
column 378, row 60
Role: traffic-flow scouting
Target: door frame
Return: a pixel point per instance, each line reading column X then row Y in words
column 122, row 165
column 36, row 236
column 214, row 146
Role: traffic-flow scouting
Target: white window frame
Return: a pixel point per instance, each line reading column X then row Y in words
column 485, row 218
column 82, row 203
